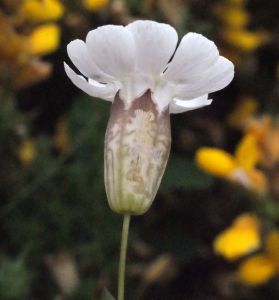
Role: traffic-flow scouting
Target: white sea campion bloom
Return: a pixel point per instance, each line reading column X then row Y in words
column 132, row 67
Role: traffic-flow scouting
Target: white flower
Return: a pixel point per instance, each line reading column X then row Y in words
column 130, row 66
column 135, row 58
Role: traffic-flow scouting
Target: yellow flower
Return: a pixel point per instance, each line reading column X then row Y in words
column 251, row 179
column 266, row 132
column 20, row 47
column 44, row 39
column 240, row 167
column 27, row 151
column 216, row 161
column 247, row 153
column 240, row 238
column 258, row 269
column 245, row 40
column 232, row 16
column 95, row 5
column 42, row 10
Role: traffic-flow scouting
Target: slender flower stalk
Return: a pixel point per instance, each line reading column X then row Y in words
column 122, row 261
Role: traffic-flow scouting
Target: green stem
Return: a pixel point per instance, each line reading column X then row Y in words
column 122, row 261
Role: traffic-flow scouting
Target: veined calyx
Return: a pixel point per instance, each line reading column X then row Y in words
column 137, row 147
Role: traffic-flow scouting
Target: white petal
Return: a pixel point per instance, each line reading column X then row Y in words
column 195, row 55
column 163, row 94
column 107, row 92
column 180, row 106
column 214, row 79
column 81, row 58
column 113, row 50
column 220, row 75
column 155, row 44
column 134, row 86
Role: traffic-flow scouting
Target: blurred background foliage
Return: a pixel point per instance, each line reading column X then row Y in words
column 212, row 231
